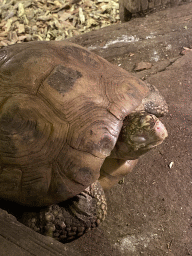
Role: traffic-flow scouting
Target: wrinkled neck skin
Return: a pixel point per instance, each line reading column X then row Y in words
column 154, row 103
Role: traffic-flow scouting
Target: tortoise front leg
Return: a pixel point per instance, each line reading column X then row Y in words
column 113, row 170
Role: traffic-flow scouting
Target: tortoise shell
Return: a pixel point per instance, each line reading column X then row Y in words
column 61, row 111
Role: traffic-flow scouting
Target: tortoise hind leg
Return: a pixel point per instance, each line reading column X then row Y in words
column 70, row 219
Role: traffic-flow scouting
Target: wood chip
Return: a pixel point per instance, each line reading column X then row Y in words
column 53, row 20
column 21, row 10
column 21, row 29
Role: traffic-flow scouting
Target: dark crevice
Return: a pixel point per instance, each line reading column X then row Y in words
column 168, row 65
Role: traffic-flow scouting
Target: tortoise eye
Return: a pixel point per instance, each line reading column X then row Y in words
column 138, row 139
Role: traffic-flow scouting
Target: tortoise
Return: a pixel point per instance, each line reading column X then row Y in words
column 68, row 119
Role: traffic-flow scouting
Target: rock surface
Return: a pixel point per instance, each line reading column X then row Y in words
column 150, row 212
column 129, row 7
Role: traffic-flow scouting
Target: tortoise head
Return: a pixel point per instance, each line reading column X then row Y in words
column 140, row 133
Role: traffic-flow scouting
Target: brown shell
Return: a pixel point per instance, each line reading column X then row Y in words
column 61, row 111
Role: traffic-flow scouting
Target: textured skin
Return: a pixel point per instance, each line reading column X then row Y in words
column 71, row 219
column 62, row 108
column 154, row 103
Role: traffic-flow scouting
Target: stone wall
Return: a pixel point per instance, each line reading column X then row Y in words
column 129, row 7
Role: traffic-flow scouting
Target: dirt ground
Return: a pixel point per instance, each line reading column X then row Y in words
column 150, row 212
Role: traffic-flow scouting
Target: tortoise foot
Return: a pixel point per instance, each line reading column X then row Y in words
column 70, row 219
